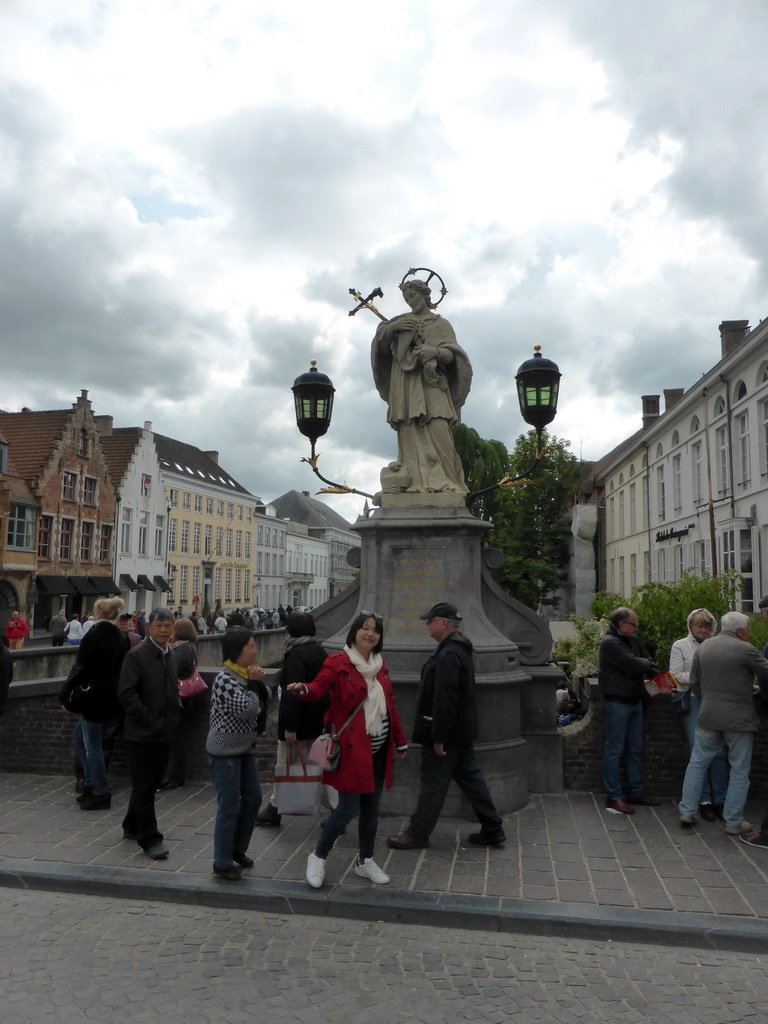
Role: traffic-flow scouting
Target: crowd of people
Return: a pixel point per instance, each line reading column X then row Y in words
column 140, row 686
column 718, row 675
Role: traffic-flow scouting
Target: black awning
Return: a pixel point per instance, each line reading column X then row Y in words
column 146, row 582
column 83, row 585
column 54, row 585
column 161, row 584
column 105, row 585
column 129, row 581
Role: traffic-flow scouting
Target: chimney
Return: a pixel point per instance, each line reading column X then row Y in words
column 650, row 409
column 213, row 456
column 103, row 425
column 672, row 396
column 732, row 333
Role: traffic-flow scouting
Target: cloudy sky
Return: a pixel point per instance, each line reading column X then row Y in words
column 189, row 188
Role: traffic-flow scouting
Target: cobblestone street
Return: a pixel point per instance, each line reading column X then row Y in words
column 67, row 959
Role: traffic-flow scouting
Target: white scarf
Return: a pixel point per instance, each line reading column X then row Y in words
column 375, row 706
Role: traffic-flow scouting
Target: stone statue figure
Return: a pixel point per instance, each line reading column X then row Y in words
column 423, row 375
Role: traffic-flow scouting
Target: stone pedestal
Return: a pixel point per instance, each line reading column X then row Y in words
column 412, row 557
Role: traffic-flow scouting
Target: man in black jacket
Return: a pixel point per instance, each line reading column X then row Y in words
column 148, row 693
column 446, row 726
column 624, row 665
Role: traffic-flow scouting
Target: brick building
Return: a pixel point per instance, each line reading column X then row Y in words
column 59, row 531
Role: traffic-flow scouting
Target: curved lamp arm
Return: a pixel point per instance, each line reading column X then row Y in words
column 512, row 481
column 333, row 487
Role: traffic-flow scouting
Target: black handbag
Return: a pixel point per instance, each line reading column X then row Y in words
column 76, row 692
column 681, row 702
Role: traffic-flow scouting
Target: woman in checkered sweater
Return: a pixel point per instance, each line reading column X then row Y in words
column 237, row 717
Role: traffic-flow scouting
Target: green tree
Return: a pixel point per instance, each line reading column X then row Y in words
column 530, row 520
column 663, row 608
column 484, row 462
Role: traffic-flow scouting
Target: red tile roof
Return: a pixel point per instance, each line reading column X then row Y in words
column 118, row 449
column 31, row 437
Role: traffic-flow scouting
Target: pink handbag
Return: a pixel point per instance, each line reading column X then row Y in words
column 325, row 750
column 192, row 685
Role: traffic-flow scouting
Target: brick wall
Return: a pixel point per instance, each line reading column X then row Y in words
column 36, row 737
column 665, row 753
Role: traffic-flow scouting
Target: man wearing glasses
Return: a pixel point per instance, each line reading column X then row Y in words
column 624, row 665
column 446, row 726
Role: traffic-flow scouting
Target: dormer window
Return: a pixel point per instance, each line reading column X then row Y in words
column 3, row 457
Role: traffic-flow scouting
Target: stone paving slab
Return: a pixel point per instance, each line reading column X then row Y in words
column 568, row 865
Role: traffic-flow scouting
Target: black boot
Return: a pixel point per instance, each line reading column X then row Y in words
column 268, row 817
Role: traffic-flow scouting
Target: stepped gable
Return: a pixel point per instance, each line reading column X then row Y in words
column 119, row 448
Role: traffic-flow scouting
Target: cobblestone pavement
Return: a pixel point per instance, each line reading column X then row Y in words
column 562, row 848
column 67, row 959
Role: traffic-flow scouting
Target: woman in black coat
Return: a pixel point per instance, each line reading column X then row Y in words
column 184, row 647
column 100, row 658
column 298, row 720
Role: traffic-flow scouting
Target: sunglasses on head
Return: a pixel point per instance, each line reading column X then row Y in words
column 370, row 614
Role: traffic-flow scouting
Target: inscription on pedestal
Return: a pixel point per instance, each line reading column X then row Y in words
column 418, row 581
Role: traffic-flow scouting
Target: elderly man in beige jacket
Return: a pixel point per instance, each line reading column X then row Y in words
column 723, row 675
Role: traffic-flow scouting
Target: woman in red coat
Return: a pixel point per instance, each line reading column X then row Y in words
column 357, row 678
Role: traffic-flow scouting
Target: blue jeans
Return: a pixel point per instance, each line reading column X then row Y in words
column 349, row 806
column 716, row 779
column 706, row 747
column 623, row 738
column 88, row 740
column 238, row 799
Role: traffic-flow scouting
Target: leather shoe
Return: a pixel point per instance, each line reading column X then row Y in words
column 483, row 838
column 707, row 812
column 646, row 801
column 243, row 860
column 620, row 805
column 231, row 874
column 405, row 841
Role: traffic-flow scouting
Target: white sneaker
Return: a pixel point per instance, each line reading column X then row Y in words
column 370, row 869
column 315, row 870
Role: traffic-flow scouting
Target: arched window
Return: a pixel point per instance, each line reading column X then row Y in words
column 659, row 451
column 675, row 439
column 719, row 407
column 632, row 469
column 740, row 390
column 695, row 425
column 621, row 479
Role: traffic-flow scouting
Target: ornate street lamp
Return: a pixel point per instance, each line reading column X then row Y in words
column 538, row 384
column 313, row 398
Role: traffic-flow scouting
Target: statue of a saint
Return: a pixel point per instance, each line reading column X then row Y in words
column 423, row 375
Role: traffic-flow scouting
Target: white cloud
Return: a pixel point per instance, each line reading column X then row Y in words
column 188, row 191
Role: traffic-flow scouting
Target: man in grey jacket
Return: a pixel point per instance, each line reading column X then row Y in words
column 723, row 676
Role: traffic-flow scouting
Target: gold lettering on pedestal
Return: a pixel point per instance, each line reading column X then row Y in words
column 418, row 581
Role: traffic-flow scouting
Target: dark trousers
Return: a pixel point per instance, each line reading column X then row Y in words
column 459, row 766
column 349, row 806
column 57, row 641
column 147, row 762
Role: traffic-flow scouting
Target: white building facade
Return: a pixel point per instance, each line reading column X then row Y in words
column 140, row 547
column 690, row 493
